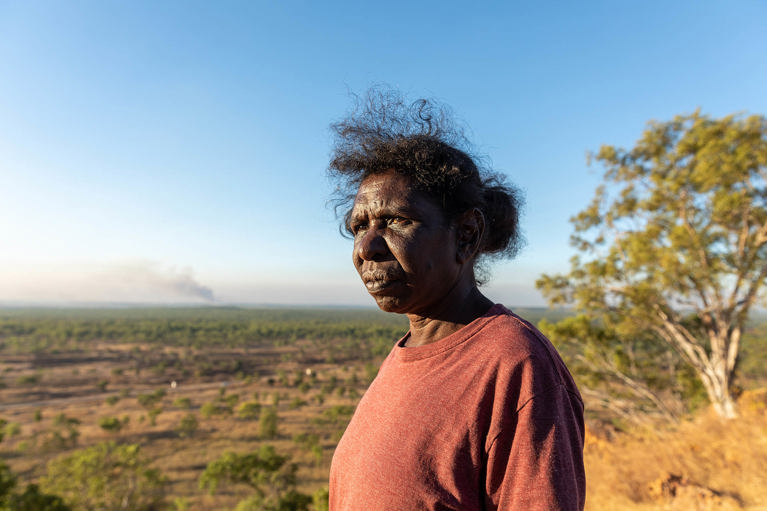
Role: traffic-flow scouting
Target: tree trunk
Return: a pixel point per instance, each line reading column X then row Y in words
column 717, row 384
column 715, row 368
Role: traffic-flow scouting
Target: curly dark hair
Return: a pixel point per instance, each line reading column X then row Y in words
column 421, row 141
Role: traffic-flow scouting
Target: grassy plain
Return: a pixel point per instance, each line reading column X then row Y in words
column 136, row 375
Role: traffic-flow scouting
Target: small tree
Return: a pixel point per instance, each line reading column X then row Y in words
column 674, row 246
column 151, row 399
column 64, row 432
column 187, row 426
column 267, row 423
column 153, row 414
column 249, row 410
column 320, row 500
column 31, row 499
column 106, row 477
column 271, row 476
column 111, row 424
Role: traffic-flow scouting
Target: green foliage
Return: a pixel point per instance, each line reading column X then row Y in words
column 29, row 379
column 267, row 423
column 150, row 399
column 230, row 400
column 181, row 504
column 317, row 453
column 630, row 375
column 210, row 409
column 11, row 429
column 342, row 334
column 112, row 400
column 31, row 499
column 270, row 475
column 296, row 403
column 106, row 477
column 250, row 410
column 672, row 247
column 153, row 414
column 64, row 432
column 306, row 440
column 112, row 424
column 320, row 500
column 7, row 481
column 184, row 403
column 338, row 413
column 187, row 426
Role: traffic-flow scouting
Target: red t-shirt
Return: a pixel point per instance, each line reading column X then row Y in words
column 486, row 418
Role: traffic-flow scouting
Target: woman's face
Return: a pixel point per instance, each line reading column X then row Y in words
column 404, row 249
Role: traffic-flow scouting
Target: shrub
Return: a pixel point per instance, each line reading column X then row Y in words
column 249, row 410
column 268, row 423
column 106, row 476
column 187, row 426
column 183, row 403
column 271, row 475
column 209, row 409
column 112, row 424
column 151, row 399
column 296, row 403
column 153, row 413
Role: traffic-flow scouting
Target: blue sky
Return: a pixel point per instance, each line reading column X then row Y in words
column 176, row 151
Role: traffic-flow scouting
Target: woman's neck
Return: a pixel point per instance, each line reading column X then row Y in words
column 456, row 314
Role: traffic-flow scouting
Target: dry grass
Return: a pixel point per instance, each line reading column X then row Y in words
column 727, row 458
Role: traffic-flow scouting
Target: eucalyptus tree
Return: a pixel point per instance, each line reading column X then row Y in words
column 674, row 243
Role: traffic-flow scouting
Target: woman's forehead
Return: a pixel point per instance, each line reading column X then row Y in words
column 387, row 189
column 393, row 194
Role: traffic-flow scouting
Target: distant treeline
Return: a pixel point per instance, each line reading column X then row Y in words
column 35, row 330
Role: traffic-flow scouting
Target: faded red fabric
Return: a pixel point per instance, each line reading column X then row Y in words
column 486, row 418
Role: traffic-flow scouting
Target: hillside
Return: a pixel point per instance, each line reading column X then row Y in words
column 188, row 385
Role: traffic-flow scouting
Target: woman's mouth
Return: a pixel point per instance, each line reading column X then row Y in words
column 376, row 286
column 380, row 281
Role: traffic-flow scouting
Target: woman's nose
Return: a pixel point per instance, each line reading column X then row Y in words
column 371, row 246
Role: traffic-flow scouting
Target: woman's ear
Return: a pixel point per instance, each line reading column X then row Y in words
column 469, row 228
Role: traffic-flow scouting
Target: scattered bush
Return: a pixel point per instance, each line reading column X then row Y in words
column 270, row 475
column 267, row 424
column 296, row 403
column 209, row 409
column 187, row 426
column 153, row 414
column 184, row 403
column 111, row 424
column 249, row 410
column 106, row 476
column 151, row 399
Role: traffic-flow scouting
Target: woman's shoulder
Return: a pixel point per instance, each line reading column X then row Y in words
column 515, row 345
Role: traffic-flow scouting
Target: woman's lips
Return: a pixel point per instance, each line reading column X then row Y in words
column 376, row 286
column 380, row 281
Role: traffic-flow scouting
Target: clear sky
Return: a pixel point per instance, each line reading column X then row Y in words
column 175, row 151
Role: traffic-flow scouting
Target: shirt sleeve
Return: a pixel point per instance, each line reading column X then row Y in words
column 535, row 463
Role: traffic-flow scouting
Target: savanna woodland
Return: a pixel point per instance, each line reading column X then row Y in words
column 233, row 408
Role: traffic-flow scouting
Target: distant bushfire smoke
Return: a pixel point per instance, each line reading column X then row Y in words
column 151, row 276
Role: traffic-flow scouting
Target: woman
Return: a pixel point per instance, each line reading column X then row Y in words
column 473, row 409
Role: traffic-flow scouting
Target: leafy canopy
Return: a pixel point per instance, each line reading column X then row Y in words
column 675, row 242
